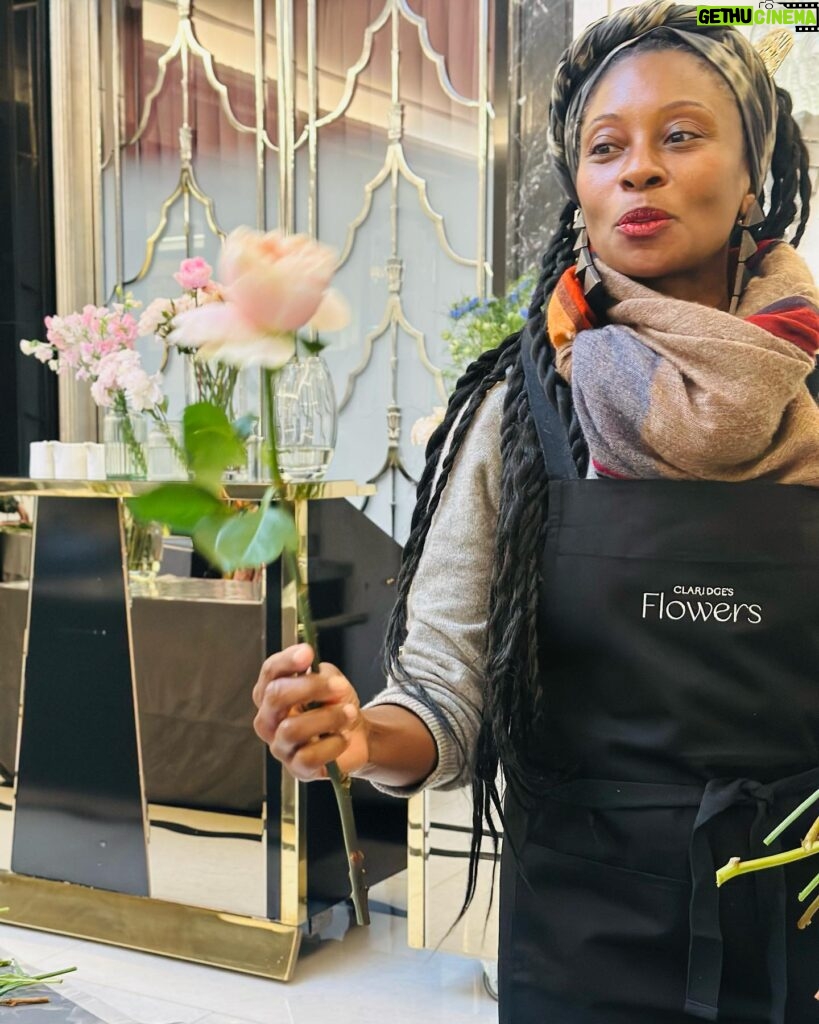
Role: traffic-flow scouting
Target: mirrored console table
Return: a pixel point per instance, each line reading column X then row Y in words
column 137, row 806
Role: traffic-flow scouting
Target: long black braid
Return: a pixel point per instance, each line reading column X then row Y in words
column 512, row 699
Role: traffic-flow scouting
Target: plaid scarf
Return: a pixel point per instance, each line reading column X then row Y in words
column 669, row 388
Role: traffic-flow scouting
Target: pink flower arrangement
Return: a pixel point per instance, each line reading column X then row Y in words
column 272, row 284
column 98, row 345
column 81, row 340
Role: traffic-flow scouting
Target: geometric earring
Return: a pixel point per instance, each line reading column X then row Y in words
column 747, row 247
column 585, row 269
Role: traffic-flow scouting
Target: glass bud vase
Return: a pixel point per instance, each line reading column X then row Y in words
column 166, row 456
column 124, row 437
column 306, row 418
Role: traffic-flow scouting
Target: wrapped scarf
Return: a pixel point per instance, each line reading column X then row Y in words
column 673, row 389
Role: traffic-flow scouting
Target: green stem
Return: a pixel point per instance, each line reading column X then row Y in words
column 340, row 782
column 272, row 446
column 135, row 448
column 173, row 444
column 735, row 866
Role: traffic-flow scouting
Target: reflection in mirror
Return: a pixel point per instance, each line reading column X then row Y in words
column 15, row 573
column 198, row 644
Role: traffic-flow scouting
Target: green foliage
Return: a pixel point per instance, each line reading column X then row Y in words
column 230, row 538
column 211, row 442
column 180, row 506
column 247, row 539
column 481, row 324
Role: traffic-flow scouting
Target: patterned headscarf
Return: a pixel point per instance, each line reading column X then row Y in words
column 723, row 47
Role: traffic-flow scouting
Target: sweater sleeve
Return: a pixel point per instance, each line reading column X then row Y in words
column 448, row 601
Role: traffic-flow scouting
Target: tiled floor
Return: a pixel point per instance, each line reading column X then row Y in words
column 368, row 976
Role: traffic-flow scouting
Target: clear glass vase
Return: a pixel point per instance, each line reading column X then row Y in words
column 211, row 382
column 124, row 437
column 306, row 418
column 166, row 459
column 143, row 548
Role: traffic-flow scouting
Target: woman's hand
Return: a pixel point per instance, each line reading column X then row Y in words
column 304, row 738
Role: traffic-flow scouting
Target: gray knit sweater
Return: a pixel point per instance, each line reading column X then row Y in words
column 448, row 600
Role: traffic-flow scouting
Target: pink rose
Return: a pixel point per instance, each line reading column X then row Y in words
column 273, row 284
column 193, row 273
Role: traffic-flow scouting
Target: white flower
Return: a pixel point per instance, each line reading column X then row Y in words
column 153, row 317
column 424, row 428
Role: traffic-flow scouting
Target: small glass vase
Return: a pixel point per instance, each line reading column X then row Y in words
column 143, row 548
column 166, row 452
column 124, row 436
column 306, row 418
column 211, row 382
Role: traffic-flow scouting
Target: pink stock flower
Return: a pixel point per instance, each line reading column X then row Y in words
column 121, row 371
column 273, row 284
column 193, row 273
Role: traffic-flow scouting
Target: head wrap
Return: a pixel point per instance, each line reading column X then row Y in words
column 724, row 48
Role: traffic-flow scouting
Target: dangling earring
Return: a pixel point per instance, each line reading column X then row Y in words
column 747, row 247
column 585, row 268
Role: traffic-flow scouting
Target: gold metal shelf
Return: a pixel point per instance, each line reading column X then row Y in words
column 324, row 489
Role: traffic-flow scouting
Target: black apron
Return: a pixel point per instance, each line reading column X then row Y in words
column 679, row 653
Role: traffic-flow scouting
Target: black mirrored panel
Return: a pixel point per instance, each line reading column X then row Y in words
column 198, row 645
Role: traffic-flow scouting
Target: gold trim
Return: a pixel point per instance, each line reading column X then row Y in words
column 293, row 824
column 396, row 161
column 129, row 625
column 22, row 692
column 352, row 73
column 187, row 186
column 416, row 871
column 320, row 490
column 393, row 314
column 184, row 42
column 438, row 59
column 246, row 944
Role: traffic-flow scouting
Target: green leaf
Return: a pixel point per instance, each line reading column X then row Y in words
column 180, row 506
column 245, row 425
column 247, row 539
column 211, row 443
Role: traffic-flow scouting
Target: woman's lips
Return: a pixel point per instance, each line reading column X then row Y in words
column 643, row 221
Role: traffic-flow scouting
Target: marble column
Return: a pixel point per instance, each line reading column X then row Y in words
column 538, row 32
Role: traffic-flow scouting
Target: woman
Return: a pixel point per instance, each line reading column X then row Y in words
column 638, row 652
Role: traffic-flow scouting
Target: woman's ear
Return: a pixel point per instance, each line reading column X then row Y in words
column 747, row 202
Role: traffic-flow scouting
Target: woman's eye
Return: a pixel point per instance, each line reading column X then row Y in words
column 680, row 135
column 601, row 149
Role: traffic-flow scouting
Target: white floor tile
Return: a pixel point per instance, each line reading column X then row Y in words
column 368, row 977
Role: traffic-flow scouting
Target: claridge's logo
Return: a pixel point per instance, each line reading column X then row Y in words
column 692, row 604
column 803, row 16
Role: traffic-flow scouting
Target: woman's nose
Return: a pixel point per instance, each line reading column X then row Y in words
column 642, row 170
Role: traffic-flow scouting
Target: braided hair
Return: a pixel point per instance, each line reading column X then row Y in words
column 513, row 699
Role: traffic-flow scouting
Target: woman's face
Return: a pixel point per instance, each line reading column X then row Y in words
column 662, row 176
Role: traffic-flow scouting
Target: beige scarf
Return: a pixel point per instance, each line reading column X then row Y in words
column 669, row 388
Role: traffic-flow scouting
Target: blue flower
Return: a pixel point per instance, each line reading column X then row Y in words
column 472, row 304
column 524, row 312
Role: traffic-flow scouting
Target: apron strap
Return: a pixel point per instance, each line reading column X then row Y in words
column 705, row 943
column 705, row 946
column 560, row 464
